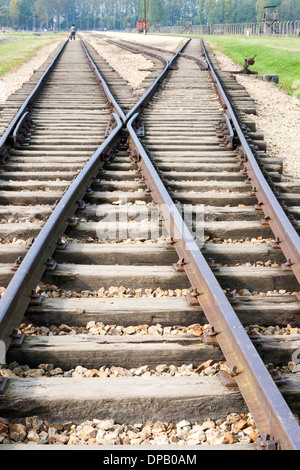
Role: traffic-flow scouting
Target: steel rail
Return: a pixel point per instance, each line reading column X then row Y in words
column 285, row 234
column 270, row 411
column 110, row 98
column 28, row 102
column 168, row 65
column 154, row 48
column 17, row 296
column 150, row 92
column 197, row 59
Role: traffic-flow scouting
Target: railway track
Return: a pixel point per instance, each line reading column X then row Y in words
column 115, row 303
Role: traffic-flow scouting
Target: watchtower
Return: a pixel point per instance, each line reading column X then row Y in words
column 187, row 25
column 270, row 19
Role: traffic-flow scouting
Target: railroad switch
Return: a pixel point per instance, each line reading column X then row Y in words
column 248, row 63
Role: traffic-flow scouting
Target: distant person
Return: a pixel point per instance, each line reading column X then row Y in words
column 3, row 30
column 73, row 32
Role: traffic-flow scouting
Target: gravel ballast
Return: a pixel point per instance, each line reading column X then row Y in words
column 14, row 80
column 278, row 117
column 235, row 429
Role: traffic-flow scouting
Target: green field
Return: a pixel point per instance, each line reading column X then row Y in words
column 279, row 56
column 15, row 53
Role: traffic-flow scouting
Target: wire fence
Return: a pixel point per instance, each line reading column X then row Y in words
column 278, row 28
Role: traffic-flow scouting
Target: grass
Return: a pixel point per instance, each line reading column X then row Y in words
column 275, row 55
column 15, row 53
column 278, row 56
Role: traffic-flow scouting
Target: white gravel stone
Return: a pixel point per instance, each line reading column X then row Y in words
column 128, row 65
column 14, row 80
column 278, row 117
column 107, row 432
column 165, row 42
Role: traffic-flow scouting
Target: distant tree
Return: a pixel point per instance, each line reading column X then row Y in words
column 229, row 11
column 4, row 15
column 19, row 12
column 211, row 13
column 155, row 11
column 201, row 11
column 245, row 11
column 289, row 10
column 260, row 4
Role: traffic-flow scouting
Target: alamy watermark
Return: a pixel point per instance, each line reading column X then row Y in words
column 148, row 221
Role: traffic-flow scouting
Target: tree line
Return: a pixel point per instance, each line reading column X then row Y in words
column 244, row 11
column 122, row 14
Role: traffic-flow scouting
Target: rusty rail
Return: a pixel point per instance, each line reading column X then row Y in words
column 153, row 88
column 197, row 59
column 114, row 106
column 17, row 296
column 4, row 141
column 270, row 411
